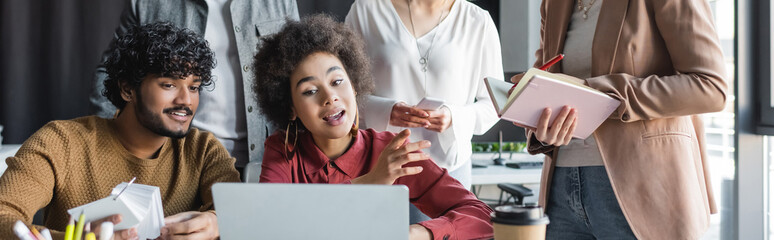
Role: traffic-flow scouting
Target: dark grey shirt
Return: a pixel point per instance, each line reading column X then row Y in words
column 577, row 63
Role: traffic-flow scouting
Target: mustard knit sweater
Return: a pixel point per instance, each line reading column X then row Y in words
column 69, row 163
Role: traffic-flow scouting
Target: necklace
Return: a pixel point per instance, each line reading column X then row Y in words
column 423, row 60
column 586, row 8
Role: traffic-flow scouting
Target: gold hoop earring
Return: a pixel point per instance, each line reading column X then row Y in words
column 289, row 150
column 355, row 125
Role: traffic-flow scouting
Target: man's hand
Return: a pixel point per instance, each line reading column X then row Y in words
column 389, row 167
column 440, row 119
column 418, row 232
column 117, row 235
column 190, row 225
column 403, row 115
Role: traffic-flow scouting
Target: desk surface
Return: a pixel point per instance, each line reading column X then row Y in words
column 494, row 174
column 6, row 151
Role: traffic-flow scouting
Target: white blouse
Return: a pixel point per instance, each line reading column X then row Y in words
column 464, row 48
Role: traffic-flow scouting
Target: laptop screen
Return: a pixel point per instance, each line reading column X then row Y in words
column 311, row 211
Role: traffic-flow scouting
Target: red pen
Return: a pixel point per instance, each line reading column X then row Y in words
column 544, row 67
column 552, row 62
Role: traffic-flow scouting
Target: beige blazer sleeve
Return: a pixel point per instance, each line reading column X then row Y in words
column 697, row 87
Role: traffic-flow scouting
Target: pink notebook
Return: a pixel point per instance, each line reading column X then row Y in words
column 539, row 89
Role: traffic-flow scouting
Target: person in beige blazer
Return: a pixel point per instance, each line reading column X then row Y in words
column 644, row 172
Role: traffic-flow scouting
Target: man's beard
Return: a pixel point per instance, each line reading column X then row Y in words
column 153, row 122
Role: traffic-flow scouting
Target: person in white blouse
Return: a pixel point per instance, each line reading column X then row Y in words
column 430, row 48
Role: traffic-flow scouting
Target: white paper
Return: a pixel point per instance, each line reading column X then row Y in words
column 139, row 206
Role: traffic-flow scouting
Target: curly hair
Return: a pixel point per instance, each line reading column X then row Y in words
column 159, row 49
column 280, row 54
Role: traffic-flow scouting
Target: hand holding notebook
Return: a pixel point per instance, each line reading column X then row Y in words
column 539, row 89
column 139, row 206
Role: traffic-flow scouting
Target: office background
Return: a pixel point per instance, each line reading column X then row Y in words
column 49, row 50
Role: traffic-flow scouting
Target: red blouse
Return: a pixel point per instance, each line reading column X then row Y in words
column 456, row 212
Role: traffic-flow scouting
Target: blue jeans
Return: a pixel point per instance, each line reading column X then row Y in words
column 582, row 205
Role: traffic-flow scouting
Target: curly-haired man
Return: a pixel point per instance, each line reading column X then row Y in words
column 233, row 29
column 155, row 73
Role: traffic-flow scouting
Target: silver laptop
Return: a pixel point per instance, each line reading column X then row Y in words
column 311, row 211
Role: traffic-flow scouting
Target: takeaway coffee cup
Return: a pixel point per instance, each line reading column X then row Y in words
column 522, row 222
